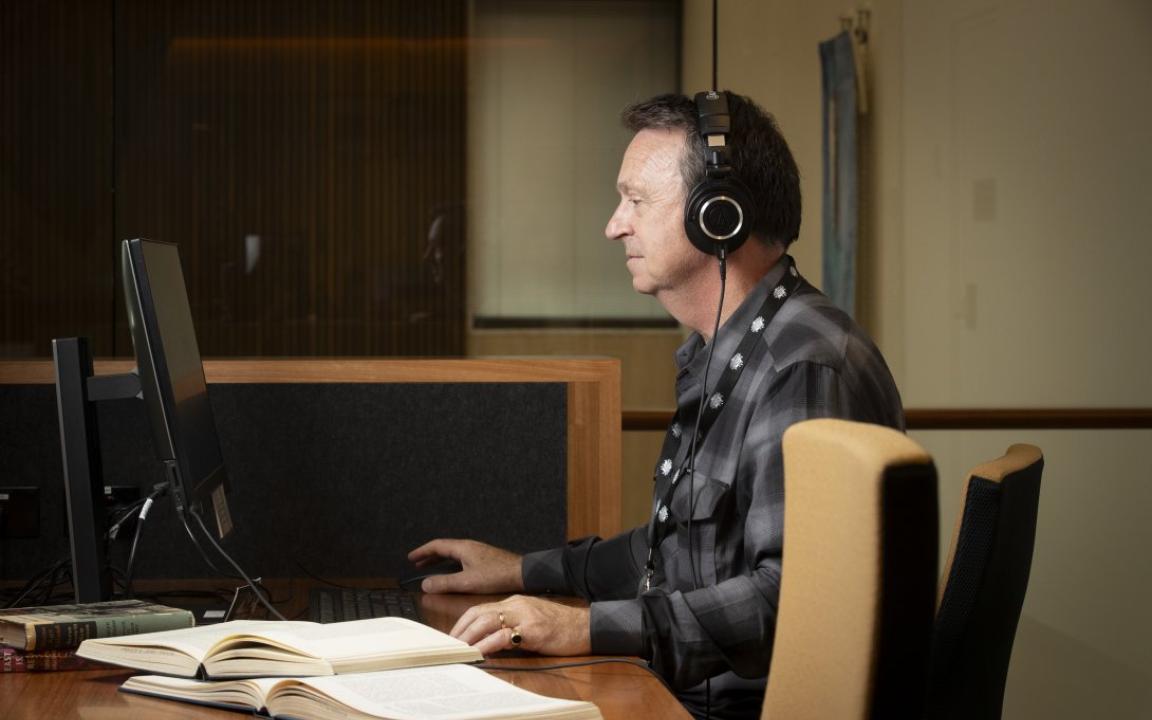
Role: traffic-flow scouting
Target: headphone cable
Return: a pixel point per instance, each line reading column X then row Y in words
column 715, row 72
column 696, row 579
column 716, row 331
column 690, row 467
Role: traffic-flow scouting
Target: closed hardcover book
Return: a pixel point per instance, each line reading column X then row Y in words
column 11, row 660
column 15, row 660
column 64, row 627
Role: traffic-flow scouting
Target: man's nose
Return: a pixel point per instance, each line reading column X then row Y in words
column 617, row 226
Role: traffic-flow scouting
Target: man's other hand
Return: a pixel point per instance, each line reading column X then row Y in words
column 486, row 569
column 527, row 623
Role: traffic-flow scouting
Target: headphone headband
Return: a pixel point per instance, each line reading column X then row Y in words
column 713, row 124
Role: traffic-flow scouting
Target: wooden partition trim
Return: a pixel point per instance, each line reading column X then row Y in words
column 593, row 414
column 969, row 419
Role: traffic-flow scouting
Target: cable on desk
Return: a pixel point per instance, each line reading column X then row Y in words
column 321, row 580
column 200, row 548
column 256, row 587
column 37, row 580
column 579, row 663
column 158, row 491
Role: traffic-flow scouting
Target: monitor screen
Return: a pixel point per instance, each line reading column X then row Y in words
column 172, row 379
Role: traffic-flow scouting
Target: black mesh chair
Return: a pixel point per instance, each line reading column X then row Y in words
column 983, row 586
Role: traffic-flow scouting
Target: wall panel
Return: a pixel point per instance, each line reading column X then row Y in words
column 308, row 157
column 55, row 174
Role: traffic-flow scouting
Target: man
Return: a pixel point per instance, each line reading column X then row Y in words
column 701, row 607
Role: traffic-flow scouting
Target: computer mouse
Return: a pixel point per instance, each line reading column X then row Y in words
column 441, row 567
column 446, row 566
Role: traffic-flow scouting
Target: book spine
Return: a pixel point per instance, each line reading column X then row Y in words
column 56, row 660
column 59, row 635
column 13, row 660
column 68, row 635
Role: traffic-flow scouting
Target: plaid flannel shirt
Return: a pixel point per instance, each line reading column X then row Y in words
column 814, row 362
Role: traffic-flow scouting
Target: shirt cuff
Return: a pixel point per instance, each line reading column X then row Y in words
column 617, row 628
column 543, row 571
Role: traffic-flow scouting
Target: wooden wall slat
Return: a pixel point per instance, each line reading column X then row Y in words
column 968, row 419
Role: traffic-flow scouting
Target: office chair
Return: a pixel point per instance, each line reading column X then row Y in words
column 983, row 586
column 858, row 583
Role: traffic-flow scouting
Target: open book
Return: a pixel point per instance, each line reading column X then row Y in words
column 446, row 692
column 263, row 648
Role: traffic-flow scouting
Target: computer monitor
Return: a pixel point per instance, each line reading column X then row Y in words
column 169, row 378
column 172, row 380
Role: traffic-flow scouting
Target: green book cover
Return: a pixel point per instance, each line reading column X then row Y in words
column 61, row 627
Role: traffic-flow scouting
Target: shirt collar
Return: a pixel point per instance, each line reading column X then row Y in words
column 693, row 353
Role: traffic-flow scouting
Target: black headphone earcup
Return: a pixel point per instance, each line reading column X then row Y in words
column 718, row 215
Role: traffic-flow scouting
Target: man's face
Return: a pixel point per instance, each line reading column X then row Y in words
column 649, row 219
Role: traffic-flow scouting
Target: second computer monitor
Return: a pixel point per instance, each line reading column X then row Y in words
column 172, row 380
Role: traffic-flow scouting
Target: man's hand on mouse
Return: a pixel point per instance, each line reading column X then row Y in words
column 486, row 569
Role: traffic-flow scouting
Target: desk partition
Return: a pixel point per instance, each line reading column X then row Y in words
column 339, row 466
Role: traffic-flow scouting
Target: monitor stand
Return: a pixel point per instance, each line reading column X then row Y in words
column 77, row 392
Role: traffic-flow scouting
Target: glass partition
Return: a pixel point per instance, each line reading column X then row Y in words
column 344, row 178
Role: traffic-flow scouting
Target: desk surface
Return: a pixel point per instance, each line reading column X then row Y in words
column 620, row 690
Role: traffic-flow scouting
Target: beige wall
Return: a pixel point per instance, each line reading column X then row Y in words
column 1008, row 229
column 1006, row 239
column 1026, row 161
column 768, row 50
column 547, row 81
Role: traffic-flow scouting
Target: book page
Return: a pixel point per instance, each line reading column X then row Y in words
column 194, row 641
column 445, row 692
column 375, row 637
column 262, row 647
column 246, row 694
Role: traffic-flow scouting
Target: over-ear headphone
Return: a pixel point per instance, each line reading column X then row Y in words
column 718, row 211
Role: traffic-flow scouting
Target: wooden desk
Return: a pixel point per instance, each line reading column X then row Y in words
column 622, row 691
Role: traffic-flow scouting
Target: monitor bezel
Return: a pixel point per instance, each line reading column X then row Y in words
column 206, row 495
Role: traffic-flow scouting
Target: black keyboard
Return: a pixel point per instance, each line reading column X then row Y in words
column 332, row 604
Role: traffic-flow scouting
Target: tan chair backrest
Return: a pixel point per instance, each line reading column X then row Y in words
column 858, row 577
column 983, row 586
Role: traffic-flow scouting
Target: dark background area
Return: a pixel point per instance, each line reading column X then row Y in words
column 333, row 479
column 308, row 157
